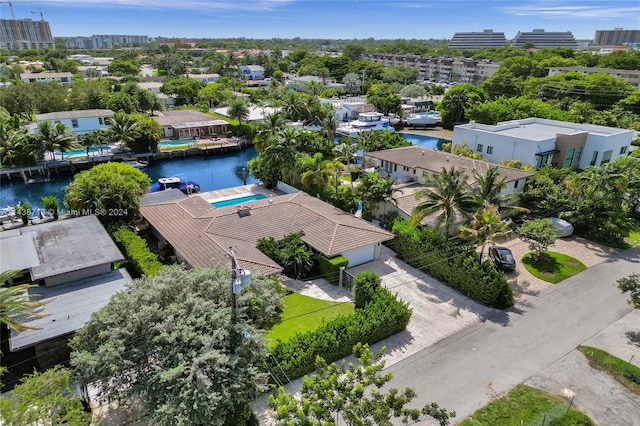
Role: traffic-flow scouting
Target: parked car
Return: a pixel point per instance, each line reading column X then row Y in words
column 563, row 228
column 502, row 258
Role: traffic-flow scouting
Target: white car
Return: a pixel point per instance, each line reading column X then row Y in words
column 563, row 228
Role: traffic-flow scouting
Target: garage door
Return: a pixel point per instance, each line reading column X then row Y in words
column 361, row 255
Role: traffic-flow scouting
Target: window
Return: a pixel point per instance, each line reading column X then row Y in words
column 568, row 160
column 395, row 167
column 623, row 150
column 594, row 158
column 606, row 157
column 74, row 123
column 577, row 155
column 479, row 147
column 489, row 150
column 100, row 120
column 515, row 184
column 414, row 171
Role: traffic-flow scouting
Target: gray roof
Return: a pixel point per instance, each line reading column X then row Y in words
column 84, row 113
column 68, row 245
column 68, row 307
column 17, row 252
column 180, row 117
column 162, row 197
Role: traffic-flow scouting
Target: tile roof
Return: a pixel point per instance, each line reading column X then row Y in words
column 83, row 113
column 169, row 118
column 202, row 234
column 433, row 161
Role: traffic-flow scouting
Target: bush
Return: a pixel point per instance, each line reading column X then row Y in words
column 140, row 258
column 382, row 317
column 364, row 287
column 458, row 266
column 330, row 268
column 572, row 418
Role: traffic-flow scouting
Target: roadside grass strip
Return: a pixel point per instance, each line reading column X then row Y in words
column 525, row 405
column 303, row 313
column 552, row 267
column 621, row 370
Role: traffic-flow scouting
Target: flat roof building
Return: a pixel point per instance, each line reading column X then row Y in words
column 616, row 37
column 487, row 39
column 24, row 34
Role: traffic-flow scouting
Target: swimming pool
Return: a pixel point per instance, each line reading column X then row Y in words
column 83, row 151
column 175, row 143
column 237, row 200
column 424, row 141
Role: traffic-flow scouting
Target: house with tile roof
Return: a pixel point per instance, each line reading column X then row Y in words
column 201, row 234
column 410, row 166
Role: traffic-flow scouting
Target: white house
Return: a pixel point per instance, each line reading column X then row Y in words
column 168, row 101
column 251, row 72
column 205, row 78
column 537, row 141
column 45, row 77
column 79, row 122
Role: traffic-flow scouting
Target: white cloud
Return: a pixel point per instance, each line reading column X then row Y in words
column 575, row 12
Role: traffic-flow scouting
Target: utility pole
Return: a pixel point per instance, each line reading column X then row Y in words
column 240, row 279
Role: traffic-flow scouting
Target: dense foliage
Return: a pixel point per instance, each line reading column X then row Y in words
column 540, row 234
column 291, row 253
column 140, row 258
column 330, row 268
column 111, row 191
column 170, row 341
column 631, row 285
column 458, row 266
column 364, row 287
column 382, row 317
column 353, row 392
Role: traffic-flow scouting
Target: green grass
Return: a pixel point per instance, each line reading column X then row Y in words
column 552, row 267
column 633, row 240
column 619, row 369
column 526, row 406
column 304, row 313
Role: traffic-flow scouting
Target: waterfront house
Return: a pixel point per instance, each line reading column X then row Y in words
column 72, row 262
column 190, row 124
column 79, row 122
column 201, row 234
column 409, row 167
column 45, row 77
column 537, row 141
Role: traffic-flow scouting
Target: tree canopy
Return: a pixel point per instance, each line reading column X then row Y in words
column 170, row 341
column 539, row 233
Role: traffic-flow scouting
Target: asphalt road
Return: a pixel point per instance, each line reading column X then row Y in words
column 462, row 372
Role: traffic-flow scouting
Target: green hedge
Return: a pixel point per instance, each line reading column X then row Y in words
column 456, row 265
column 382, row 317
column 140, row 258
column 330, row 268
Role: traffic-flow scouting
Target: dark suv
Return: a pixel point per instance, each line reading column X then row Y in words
column 502, row 258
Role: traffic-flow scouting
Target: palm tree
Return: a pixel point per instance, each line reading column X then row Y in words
column 447, row 195
column 297, row 258
column 14, row 305
column 238, row 110
column 272, row 125
column 56, row 136
column 489, row 188
column 11, row 143
column 315, row 172
column 124, row 128
column 328, row 120
column 486, row 227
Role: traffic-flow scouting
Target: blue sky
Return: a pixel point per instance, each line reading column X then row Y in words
column 325, row 18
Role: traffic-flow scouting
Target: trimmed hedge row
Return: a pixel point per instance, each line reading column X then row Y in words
column 382, row 317
column 456, row 265
column 141, row 259
column 330, row 268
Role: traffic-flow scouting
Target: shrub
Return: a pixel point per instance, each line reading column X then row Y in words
column 364, row 287
column 51, row 204
column 330, row 268
column 140, row 258
column 458, row 266
column 572, row 418
column 382, row 317
column 270, row 247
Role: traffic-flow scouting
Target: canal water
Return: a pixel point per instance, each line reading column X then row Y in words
column 211, row 173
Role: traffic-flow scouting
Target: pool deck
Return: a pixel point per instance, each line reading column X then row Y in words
column 238, row 191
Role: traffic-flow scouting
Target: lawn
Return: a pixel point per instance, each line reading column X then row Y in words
column 552, row 267
column 619, row 369
column 634, row 236
column 304, row 313
column 526, row 406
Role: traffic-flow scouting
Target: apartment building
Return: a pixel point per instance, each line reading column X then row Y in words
column 616, row 37
column 487, row 39
column 106, row 41
column 542, row 39
column 24, row 34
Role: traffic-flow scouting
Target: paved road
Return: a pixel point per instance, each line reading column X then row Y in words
column 512, row 346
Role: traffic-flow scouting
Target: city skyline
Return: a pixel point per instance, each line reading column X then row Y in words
column 357, row 19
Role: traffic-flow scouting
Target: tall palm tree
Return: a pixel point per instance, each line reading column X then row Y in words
column 316, row 172
column 272, row 125
column 488, row 189
column 124, row 128
column 448, row 196
column 12, row 141
column 486, row 227
column 328, row 120
column 14, row 305
column 56, row 136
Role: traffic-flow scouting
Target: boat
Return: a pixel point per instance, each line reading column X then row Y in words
column 7, row 213
column 138, row 164
column 430, row 118
column 175, row 182
column 366, row 121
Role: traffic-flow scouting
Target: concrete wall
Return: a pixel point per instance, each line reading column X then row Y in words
column 566, row 143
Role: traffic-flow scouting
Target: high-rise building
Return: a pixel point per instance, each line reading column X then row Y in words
column 542, row 39
column 106, row 41
column 487, row 39
column 616, row 37
column 25, row 34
